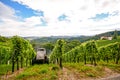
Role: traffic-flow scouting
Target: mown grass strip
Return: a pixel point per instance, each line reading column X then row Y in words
column 39, row 72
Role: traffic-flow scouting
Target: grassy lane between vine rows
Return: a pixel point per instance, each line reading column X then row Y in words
column 90, row 72
column 70, row 71
column 36, row 72
column 4, row 69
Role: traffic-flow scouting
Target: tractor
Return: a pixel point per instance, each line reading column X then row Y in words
column 41, row 57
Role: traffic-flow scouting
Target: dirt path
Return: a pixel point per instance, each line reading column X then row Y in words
column 113, row 77
column 67, row 75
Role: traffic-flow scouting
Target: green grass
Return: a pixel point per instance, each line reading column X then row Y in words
column 88, row 70
column 39, row 72
column 4, row 69
column 50, row 71
column 106, row 42
column 112, row 66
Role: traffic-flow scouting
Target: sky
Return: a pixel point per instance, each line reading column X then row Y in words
column 58, row 17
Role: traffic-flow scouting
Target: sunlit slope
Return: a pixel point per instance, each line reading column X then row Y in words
column 106, row 42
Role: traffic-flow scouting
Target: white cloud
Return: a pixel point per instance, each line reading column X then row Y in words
column 81, row 8
column 6, row 11
column 78, row 12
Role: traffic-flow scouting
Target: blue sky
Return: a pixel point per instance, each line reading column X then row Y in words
column 101, row 16
column 58, row 17
column 21, row 10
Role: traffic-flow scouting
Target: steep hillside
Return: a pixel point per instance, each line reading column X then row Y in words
column 105, row 42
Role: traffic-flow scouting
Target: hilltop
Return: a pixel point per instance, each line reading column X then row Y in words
column 81, row 38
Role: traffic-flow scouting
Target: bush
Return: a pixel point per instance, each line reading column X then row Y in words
column 43, row 71
column 55, row 67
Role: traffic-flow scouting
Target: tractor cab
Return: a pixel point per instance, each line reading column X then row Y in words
column 41, row 57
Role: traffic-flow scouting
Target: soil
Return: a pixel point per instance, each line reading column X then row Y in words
column 67, row 74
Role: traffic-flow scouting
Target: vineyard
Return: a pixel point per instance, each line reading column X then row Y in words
column 16, row 51
column 87, row 52
column 85, row 60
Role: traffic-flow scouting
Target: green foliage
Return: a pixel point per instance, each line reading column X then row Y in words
column 85, row 70
column 22, row 49
column 91, row 47
column 82, row 53
column 3, row 39
column 71, row 44
column 56, row 55
column 48, row 46
column 112, row 66
column 43, row 71
column 15, row 50
column 53, row 39
column 5, row 50
column 26, row 74
column 55, row 67
column 115, row 36
column 5, row 53
column 101, row 43
column 92, row 52
column 110, row 52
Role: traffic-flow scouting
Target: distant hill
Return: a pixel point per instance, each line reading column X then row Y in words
column 111, row 33
column 80, row 38
column 55, row 38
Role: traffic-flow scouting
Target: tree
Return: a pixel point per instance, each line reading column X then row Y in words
column 48, row 46
column 21, row 49
column 58, row 51
column 17, row 50
column 71, row 44
column 116, row 48
column 115, row 34
column 3, row 39
column 91, row 49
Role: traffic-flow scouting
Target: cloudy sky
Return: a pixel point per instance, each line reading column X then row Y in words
column 58, row 17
